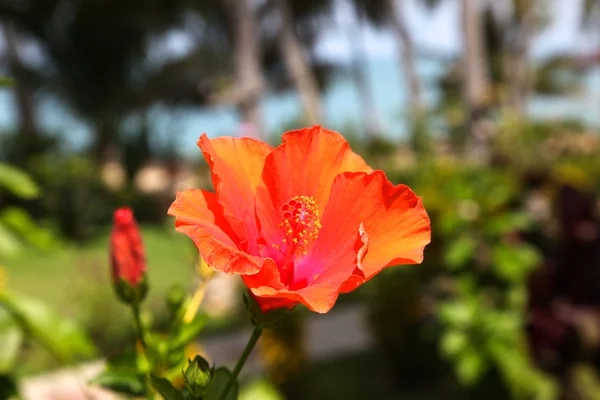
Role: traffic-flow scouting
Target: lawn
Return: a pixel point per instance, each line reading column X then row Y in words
column 76, row 282
column 62, row 276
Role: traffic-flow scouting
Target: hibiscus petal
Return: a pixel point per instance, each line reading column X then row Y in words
column 368, row 224
column 236, row 165
column 199, row 215
column 305, row 164
column 318, row 298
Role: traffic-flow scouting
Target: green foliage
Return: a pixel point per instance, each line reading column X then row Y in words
column 480, row 220
column 16, row 226
column 17, row 182
column 64, row 339
column 260, row 389
column 215, row 390
column 74, row 195
column 165, row 388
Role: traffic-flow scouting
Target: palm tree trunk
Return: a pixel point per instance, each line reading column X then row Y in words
column 475, row 79
column 297, row 66
column 406, row 51
column 247, row 61
column 23, row 90
column 518, row 69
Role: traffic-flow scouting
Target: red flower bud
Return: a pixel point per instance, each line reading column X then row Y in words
column 127, row 257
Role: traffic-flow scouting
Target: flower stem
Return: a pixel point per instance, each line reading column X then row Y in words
column 240, row 364
column 135, row 308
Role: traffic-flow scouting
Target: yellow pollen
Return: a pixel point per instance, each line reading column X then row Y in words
column 300, row 222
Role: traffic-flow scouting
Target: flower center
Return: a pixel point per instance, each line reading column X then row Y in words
column 301, row 224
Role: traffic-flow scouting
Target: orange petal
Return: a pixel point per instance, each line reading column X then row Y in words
column 305, row 164
column 236, row 165
column 368, row 224
column 318, row 298
column 199, row 215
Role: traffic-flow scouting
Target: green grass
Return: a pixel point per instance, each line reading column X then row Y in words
column 57, row 277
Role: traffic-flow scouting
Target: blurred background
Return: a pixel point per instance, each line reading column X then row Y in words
column 489, row 110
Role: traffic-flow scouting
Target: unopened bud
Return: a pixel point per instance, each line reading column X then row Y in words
column 127, row 258
column 198, row 375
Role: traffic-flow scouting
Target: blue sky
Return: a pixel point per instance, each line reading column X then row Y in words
column 436, row 30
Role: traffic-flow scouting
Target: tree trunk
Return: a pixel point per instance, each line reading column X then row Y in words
column 297, row 66
column 23, row 90
column 397, row 21
column 247, row 61
column 475, row 80
column 518, row 70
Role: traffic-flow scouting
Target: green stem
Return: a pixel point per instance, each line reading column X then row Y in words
column 135, row 308
column 240, row 364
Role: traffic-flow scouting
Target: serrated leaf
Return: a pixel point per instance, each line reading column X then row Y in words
column 121, row 382
column 218, row 384
column 17, row 182
column 189, row 332
column 460, row 251
column 165, row 388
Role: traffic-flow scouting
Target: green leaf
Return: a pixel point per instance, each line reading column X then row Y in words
column 128, row 363
column 11, row 338
column 216, row 387
column 469, row 367
column 460, row 251
column 20, row 222
column 453, row 342
column 514, row 262
column 121, row 382
column 189, row 332
column 458, row 314
column 9, row 242
column 450, row 223
column 506, row 223
column 165, row 388
column 62, row 337
column 260, row 389
column 17, row 182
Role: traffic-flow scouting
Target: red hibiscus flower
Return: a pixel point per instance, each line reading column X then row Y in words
column 127, row 256
column 300, row 223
